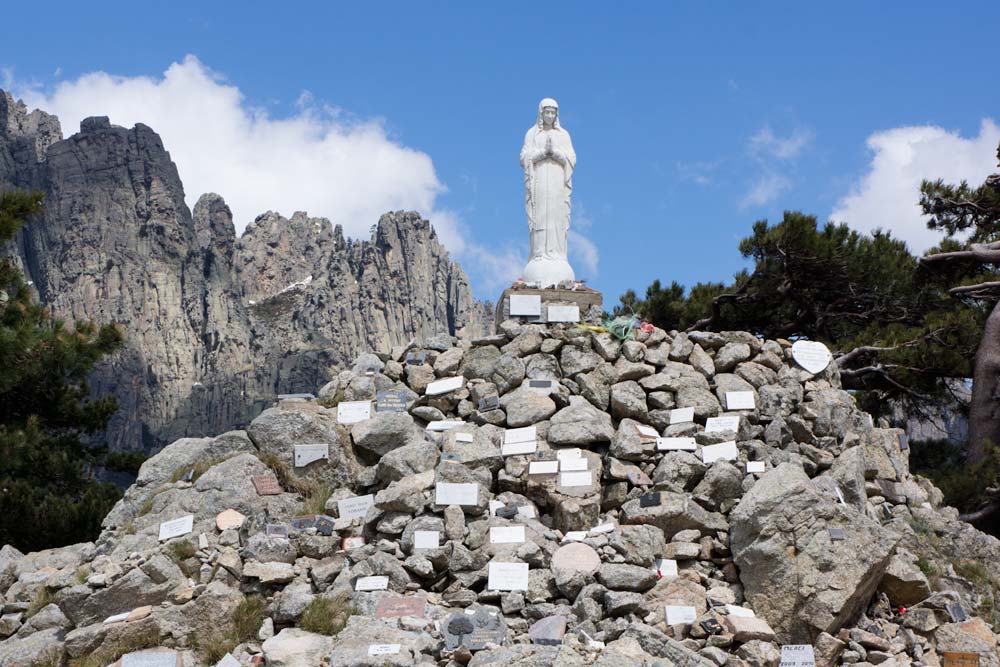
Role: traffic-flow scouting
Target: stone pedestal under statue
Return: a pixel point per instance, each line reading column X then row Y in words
column 556, row 305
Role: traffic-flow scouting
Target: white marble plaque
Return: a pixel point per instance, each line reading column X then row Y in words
column 508, row 577
column 681, row 416
column 526, row 434
column 740, row 400
column 724, row 423
column 647, row 432
column 426, row 539
column 679, row 614
column 444, row 425
column 755, row 466
column 464, row 437
column 563, row 313
column 543, row 467
column 176, row 527
column 150, row 659
column 812, row 356
column 456, row 494
column 571, row 479
column 525, row 305
column 444, row 385
column 306, row 454
column 742, row 612
column 378, row 583
column 797, row 655
column 723, row 450
column 572, row 453
column 383, row 649
column 676, row 444
column 518, row 448
column 352, row 412
column 666, row 567
column 507, row 535
column 356, row 507
column 575, row 536
column 573, row 465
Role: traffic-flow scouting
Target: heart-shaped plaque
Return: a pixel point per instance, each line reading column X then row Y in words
column 812, row 356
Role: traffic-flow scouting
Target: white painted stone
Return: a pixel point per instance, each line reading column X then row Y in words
column 518, row 448
column 743, row 612
column 154, row 658
column 647, row 432
column 575, row 536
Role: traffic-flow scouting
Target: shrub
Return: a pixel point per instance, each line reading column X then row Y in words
column 328, row 616
column 243, row 625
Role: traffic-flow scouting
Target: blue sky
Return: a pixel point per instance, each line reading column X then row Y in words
column 690, row 121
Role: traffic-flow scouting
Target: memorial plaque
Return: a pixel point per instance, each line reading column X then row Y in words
column 518, row 448
column 487, row 403
column 724, row 450
column 508, row 577
column 681, row 416
column 543, row 467
column 353, row 542
column 797, row 655
column 740, row 400
column 680, row 614
column 451, row 457
column 426, row 539
column 266, row 485
column 390, row 401
column 325, row 525
column 541, row 387
column 575, row 536
column 572, row 453
column 416, row 358
column 356, row 507
column 676, row 444
column 722, row 424
column 755, row 466
column 176, row 527
column 574, row 479
column 525, row 305
column 812, row 356
column 304, row 522
column 526, row 512
column 446, row 493
column 507, row 535
column 836, row 534
column 959, row 659
column 154, row 658
column 555, row 313
column 444, row 385
column 465, row 437
column 665, row 567
column 276, row 530
column 399, row 607
column 650, row 499
column 646, row 432
column 377, row 583
column 383, row 649
column 352, row 412
column 742, row 612
column 444, row 425
column 306, row 454
column 904, row 442
column 711, row 626
column 957, row 612
column 526, row 434
column 474, row 629
column 573, row 465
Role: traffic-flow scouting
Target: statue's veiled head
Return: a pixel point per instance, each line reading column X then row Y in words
column 548, row 114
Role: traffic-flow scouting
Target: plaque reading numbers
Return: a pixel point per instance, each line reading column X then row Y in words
column 960, row 659
column 266, row 485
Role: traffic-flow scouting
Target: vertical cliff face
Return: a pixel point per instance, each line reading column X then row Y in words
column 215, row 325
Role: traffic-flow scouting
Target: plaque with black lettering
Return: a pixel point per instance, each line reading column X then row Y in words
column 416, row 358
column 487, row 403
column 649, row 499
column 390, row 401
column 957, row 612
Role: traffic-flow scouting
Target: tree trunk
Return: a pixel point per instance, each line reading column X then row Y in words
column 984, row 409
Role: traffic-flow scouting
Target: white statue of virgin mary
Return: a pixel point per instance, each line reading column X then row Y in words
column 548, row 161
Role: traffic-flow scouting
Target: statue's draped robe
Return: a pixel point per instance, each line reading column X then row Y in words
column 548, row 185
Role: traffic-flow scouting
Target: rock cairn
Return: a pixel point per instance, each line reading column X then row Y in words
column 545, row 496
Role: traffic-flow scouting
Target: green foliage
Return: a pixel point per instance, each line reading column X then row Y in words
column 315, row 500
column 327, row 615
column 129, row 462
column 181, row 550
column 47, row 494
column 963, row 482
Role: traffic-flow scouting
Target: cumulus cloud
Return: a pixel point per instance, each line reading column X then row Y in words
column 317, row 159
column 886, row 196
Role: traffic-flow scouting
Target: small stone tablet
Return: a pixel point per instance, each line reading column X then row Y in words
column 464, row 437
column 451, row 457
column 812, row 356
column 741, row 612
column 602, row 529
column 525, row 305
column 383, row 649
column 676, row 444
column 377, row 583
column 416, row 358
column 681, row 416
column 401, row 606
column 276, row 530
column 507, row 535
column 518, row 448
column 526, row 434
column 797, row 655
column 526, row 512
column 456, row 494
column 426, row 539
column 677, row 615
column 573, row 465
column 508, row 577
column 665, row 567
column 711, row 626
column 356, row 507
column 306, row 454
column 650, row 499
column 229, row 519
column 444, row 385
column 574, row 479
column 444, row 425
column 325, row 524
column 555, row 313
column 543, row 467
column 724, row 450
column 755, row 466
column 836, row 534
column 305, row 522
column 542, row 387
column 266, row 485
column 740, row 400
column 390, row 401
column 488, row 403
column 176, row 527
column 957, row 612
column 572, row 453
column 722, row 424
column 352, row 412
column 287, row 397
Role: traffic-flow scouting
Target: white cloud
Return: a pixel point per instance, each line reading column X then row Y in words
column 765, row 142
column 317, row 159
column 886, row 197
column 767, row 187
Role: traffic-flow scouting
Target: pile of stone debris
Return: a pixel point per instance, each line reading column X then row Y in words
column 545, row 496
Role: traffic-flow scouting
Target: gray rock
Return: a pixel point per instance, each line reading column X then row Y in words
column 384, row 432
column 525, row 407
column 628, row 400
column 729, row 355
column 580, row 424
column 622, row 577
